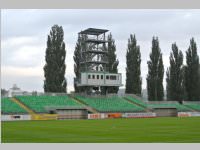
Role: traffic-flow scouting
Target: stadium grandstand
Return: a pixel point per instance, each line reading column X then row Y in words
column 110, row 104
column 101, row 104
column 39, row 103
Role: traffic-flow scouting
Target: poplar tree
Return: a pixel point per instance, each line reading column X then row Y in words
column 192, row 72
column 77, row 57
column 80, row 45
column 184, row 82
column 112, row 61
column 175, row 74
column 54, row 69
column 133, row 73
column 168, row 86
column 155, row 73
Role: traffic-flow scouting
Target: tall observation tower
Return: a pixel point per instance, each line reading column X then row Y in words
column 94, row 76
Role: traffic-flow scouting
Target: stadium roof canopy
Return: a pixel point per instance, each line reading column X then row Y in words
column 93, row 31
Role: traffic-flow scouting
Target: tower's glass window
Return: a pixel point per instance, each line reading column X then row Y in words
column 102, row 77
column 107, row 77
column 89, row 76
column 93, row 76
column 97, row 76
column 113, row 77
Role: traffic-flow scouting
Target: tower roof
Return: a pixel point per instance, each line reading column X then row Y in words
column 93, row 31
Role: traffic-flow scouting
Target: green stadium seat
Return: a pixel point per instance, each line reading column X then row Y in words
column 178, row 106
column 39, row 103
column 195, row 106
column 139, row 102
column 112, row 104
column 10, row 107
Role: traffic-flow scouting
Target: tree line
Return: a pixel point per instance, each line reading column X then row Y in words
column 182, row 81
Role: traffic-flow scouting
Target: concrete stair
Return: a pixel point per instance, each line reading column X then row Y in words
column 146, row 109
column 86, row 106
column 23, row 106
column 192, row 109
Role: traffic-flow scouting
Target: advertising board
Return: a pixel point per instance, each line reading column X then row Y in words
column 15, row 117
column 94, row 116
column 139, row 115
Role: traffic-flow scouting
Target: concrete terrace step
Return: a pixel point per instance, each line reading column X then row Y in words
column 87, row 107
column 23, row 106
column 192, row 109
column 146, row 109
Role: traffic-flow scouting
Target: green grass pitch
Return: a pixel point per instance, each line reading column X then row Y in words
column 157, row 130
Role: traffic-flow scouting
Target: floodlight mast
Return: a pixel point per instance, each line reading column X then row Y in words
column 94, row 61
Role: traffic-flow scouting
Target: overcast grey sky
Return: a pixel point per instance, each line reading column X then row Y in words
column 24, row 35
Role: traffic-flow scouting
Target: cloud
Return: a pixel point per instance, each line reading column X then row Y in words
column 21, row 71
column 24, row 36
column 28, row 79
